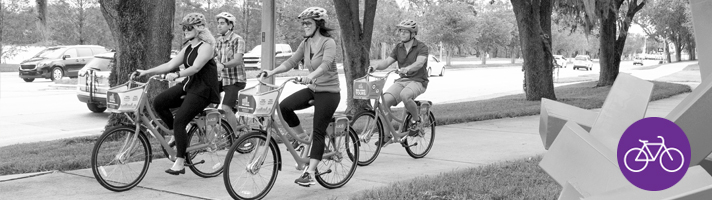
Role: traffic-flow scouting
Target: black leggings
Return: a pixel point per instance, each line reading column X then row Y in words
column 325, row 104
column 188, row 108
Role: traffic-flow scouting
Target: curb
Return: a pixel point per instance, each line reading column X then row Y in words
column 61, row 87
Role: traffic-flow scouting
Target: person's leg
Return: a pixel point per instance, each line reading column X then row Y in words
column 229, row 102
column 412, row 90
column 325, row 104
column 297, row 101
column 392, row 96
column 192, row 106
column 166, row 100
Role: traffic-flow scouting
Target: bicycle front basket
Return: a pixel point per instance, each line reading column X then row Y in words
column 121, row 98
column 368, row 89
column 252, row 103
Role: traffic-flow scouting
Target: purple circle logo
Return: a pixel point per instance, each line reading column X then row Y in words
column 654, row 153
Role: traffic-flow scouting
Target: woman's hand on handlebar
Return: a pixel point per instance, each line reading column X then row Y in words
column 171, row 76
column 140, row 73
column 264, row 74
column 306, row 80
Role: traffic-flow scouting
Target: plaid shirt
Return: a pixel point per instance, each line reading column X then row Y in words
column 225, row 51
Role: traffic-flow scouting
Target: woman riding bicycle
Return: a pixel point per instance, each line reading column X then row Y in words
column 197, row 91
column 318, row 51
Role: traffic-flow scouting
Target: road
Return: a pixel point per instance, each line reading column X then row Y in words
column 31, row 112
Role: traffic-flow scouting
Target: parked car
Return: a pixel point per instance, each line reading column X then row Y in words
column 57, row 62
column 435, row 67
column 583, row 61
column 252, row 58
column 93, row 81
column 560, row 61
column 647, row 59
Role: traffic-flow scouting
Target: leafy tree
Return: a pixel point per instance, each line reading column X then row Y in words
column 670, row 20
column 356, row 33
column 613, row 18
column 449, row 23
column 534, row 23
column 492, row 29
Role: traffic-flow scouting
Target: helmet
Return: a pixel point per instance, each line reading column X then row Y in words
column 408, row 25
column 193, row 19
column 227, row 16
column 315, row 13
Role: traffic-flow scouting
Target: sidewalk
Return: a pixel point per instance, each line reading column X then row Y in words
column 457, row 146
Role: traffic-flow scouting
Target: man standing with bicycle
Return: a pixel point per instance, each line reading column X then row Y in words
column 411, row 55
column 229, row 50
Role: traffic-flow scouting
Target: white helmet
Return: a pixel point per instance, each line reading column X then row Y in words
column 315, row 13
column 227, row 16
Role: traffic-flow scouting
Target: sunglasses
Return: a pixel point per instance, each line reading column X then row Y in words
column 307, row 23
column 187, row 28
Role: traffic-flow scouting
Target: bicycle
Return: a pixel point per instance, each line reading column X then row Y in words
column 122, row 154
column 242, row 168
column 646, row 160
column 417, row 146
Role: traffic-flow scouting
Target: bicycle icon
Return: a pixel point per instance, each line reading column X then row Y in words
column 662, row 148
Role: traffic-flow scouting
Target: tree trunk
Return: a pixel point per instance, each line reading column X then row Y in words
column 514, row 54
column 356, row 43
column 534, row 23
column 484, row 56
column 142, row 31
column 678, row 49
column 610, row 56
column 691, row 50
column 667, row 51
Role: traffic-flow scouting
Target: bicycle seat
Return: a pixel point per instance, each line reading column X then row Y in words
column 643, row 141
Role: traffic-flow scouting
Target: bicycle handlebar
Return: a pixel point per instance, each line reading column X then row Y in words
column 385, row 76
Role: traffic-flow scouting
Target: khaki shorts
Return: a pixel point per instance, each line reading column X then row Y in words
column 405, row 90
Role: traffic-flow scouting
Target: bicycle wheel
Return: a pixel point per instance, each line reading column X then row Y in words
column 369, row 131
column 419, row 145
column 625, row 159
column 674, row 155
column 337, row 170
column 246, row 176
column 120, row 158
column 208, row 162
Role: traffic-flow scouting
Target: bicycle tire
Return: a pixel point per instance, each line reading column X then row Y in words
column 368, row 149
column 412, row 143
column 669, row 150
column 625, row 159
column 213, row 159
column 104, row 164
column 332, row 179
column 236, row 167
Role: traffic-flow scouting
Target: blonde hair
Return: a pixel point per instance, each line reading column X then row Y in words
column 204, row 34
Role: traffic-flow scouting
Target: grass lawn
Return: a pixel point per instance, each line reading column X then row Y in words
column 518, row 179
column 75, row 153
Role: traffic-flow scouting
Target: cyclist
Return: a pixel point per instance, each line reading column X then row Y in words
column 196, row 92
column 318, row 51
column 228, row 56
column 411, row 55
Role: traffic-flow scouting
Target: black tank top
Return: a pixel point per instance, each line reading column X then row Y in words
column 205, row 82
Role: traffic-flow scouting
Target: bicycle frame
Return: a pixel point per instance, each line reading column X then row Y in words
column 654, row 157
column 146, row 118
column 385, row 113
column 302, row 160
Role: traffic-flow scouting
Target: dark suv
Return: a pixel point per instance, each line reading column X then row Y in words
column 57, row 62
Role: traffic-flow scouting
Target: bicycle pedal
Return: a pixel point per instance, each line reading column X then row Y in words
column 406, row 146
column 190, row 165
column 326, row 172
